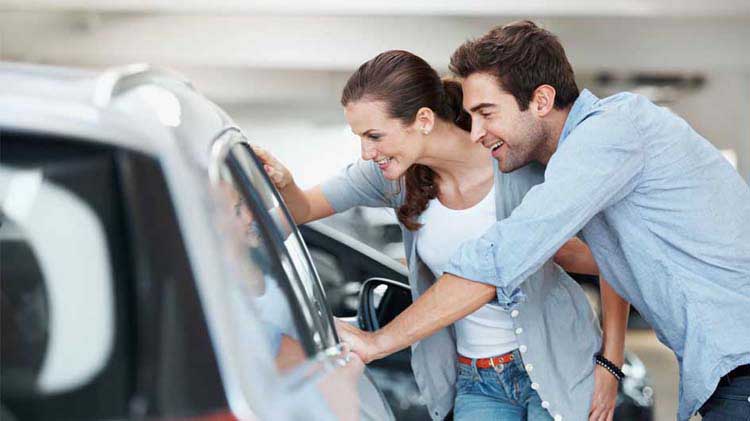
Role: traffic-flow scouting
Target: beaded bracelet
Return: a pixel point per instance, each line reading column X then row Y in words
column 610, row 366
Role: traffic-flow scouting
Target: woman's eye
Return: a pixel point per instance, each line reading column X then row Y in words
column 374, row 136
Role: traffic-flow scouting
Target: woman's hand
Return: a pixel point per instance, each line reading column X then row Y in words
column 279, row 174
column 605, row 395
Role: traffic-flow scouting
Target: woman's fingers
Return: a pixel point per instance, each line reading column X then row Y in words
column 276, row 171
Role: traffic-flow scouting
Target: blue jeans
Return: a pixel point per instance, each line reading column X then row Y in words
column 730, row 401
column 500, row 393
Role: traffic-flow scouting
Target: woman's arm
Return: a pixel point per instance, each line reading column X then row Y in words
column 305, row 206
column 308, row 205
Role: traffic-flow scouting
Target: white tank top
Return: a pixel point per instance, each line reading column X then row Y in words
column 489, row 330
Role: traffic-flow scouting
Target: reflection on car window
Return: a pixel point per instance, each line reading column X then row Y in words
column 262, row 285
column 301, row 271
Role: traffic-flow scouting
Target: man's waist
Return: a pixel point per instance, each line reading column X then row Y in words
column 739, row 371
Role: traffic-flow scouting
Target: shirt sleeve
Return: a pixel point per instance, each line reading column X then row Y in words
column 361, row 183
column 597, row 165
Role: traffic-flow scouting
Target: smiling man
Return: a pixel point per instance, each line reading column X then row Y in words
column 666, row 216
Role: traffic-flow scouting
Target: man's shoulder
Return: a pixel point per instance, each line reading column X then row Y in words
column 613, row 115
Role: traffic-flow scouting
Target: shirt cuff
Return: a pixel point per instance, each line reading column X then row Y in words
column 474, row 260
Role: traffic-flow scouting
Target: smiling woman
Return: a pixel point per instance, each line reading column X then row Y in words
column 419, row 159
column 390, row 102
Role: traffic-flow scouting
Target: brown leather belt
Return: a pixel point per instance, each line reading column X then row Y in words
column 488, row 362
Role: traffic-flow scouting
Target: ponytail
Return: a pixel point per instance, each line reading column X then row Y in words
column 453, row 101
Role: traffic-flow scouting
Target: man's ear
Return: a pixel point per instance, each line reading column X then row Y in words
column 425, row 121
column 543, row 100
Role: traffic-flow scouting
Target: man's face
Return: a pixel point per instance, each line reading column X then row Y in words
column 514, row 137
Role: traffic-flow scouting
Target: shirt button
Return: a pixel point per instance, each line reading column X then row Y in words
column 514, row 314
column 558, row 417
column 529, row 367
column 522, row 348
column 519, row 331
column 545, row 404
column 534, row 386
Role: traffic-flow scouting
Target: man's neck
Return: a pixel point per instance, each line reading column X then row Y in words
column 555, row 123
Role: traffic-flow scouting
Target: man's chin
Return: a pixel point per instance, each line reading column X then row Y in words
column 505, row 169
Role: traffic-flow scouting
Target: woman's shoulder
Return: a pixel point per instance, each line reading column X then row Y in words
column 365, row 181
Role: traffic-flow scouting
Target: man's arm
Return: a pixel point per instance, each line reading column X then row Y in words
column 614, row 324
column 451, row 298
column 575, row 257
column 615, row 311
column 596, row 166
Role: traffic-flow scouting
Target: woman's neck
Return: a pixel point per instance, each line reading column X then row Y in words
column 454, row 157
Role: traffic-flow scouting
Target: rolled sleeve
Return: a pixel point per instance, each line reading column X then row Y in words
column 474, row 260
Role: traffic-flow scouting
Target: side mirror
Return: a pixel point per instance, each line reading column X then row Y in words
column 380, row 301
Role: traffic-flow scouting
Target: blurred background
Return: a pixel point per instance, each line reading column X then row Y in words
column 278, row 68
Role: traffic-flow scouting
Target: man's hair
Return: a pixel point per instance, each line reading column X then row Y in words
column 521, row 56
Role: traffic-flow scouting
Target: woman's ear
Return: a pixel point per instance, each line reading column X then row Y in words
column 543, row 100
column 425, row 121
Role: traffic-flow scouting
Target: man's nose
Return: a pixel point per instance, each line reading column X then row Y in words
column 477, row 130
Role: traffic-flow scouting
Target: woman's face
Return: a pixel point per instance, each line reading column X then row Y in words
column 385, row 140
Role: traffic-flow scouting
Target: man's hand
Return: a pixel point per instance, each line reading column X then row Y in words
column 359, row 341
column 605, row 395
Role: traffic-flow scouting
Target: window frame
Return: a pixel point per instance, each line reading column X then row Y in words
column 320, row 334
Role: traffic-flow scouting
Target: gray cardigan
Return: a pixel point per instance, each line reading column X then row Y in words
column 557, row 331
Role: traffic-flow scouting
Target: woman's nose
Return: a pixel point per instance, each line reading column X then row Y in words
column 368, row 151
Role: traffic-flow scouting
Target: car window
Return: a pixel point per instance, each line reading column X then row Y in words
column 303, row 272
column 275, row 280
column 60, row 267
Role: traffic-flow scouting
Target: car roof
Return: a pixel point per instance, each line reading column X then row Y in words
column 137, row 107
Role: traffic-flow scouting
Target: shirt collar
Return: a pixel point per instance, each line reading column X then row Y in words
column 578, row 112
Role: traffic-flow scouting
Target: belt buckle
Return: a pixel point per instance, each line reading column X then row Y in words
column 498, row 368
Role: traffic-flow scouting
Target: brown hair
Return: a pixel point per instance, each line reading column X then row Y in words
column 521, row 56
column 406, row 83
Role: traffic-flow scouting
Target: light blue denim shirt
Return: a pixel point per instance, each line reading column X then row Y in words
column 556, row 329
column 667, row 219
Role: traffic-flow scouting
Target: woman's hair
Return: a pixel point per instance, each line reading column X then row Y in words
column 406, row 83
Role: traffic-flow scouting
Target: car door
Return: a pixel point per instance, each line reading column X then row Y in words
column 98, row 322
column 273, row 242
